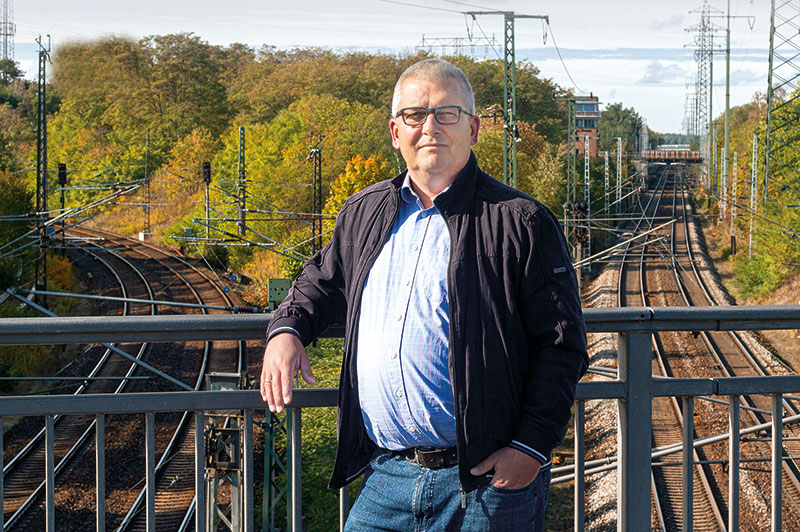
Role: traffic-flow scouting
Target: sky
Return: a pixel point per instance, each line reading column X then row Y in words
column 633, row 52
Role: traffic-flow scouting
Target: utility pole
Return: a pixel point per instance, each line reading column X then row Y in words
column 587, row 198
column 241, row 220
column 40, row 266
column 207, row 181
column 723, row 184
column 147, row 183
column 606, row 208
column 734, row 198
column 753, row 193
column 618, row 202
column 727, row 95
column 62, row 182
column 510, row 130
column 725, row 171
column 315, row 154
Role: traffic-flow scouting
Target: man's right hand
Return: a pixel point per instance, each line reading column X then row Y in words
column 283, row 356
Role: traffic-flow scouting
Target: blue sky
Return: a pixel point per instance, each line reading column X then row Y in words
column 628, row 51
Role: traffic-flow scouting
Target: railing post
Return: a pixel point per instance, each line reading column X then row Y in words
column 199, row 472
column 295, row 506
column 249, row 501
column 150, row 478
column 733, row 464
column 688, row 462
column 580, row 501
column 635, row 432
column 2, row 466
column 777, row 459
column 100, row 470
column 50, row 474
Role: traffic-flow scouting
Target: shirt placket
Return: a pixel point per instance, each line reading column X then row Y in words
column 412, row 261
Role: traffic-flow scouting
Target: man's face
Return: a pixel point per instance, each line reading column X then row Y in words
column 433, row 149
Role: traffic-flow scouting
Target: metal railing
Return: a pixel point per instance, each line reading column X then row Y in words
column 634, row 390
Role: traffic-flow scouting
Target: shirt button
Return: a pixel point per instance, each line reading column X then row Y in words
column 408, row 282
column 412, row 429
column 415, row 247
column 393, row 355
column 399, row 317
column 399, row 393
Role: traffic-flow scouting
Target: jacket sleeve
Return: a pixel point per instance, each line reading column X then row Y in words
column 317, row 298
column 550, row 307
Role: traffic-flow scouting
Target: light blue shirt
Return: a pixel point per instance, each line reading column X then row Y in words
column 404, row 382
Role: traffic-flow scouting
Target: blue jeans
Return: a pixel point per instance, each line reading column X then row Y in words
column 397, row 495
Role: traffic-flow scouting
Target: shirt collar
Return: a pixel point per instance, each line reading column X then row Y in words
column 409, row 196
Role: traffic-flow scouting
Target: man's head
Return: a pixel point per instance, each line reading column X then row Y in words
column 438, row 147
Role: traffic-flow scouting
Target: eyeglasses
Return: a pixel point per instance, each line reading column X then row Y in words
column 445, row 115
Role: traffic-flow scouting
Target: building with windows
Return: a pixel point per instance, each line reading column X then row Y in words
column 587, row 114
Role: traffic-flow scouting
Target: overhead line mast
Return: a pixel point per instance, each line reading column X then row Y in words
column 42, row 216
column 510, row 130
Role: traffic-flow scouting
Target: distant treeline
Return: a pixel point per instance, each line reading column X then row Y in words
column 104, row 95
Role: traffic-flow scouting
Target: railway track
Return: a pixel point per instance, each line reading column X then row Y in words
column 164, row 277
column 665, row 273
column 667, row 418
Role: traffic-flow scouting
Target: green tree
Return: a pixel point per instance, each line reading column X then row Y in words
column 9, row 71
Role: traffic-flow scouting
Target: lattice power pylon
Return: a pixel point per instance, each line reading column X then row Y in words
column 704, row 33
column 783, row 96
column 7, row 30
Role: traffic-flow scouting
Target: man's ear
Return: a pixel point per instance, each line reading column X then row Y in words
column 393, row 129
column 474, row 127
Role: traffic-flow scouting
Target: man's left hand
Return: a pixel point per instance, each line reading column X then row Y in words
column 513, row 469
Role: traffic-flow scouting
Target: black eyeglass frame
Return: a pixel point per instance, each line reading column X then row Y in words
column 429, row 110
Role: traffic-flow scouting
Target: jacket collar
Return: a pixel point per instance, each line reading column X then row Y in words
column 459, row 196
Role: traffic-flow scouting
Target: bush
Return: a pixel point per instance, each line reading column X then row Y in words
column 757, row 275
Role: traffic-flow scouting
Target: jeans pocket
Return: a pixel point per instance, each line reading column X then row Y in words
column 511, row 491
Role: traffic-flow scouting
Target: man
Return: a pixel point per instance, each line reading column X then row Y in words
column 464, row 334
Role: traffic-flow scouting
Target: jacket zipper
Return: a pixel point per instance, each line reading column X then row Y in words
column 452, row 362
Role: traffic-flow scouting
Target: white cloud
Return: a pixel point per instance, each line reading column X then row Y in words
column 657, row 72
column 673, row 21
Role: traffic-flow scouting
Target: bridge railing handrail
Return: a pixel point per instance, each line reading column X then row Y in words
column 634, row 391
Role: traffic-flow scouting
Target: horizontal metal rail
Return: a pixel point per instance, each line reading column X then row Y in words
column 633, row 393
column 96, row 329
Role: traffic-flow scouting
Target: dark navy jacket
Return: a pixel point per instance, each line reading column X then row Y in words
column 517, row 336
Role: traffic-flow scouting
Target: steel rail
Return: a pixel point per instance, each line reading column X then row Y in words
column 661, row 359
column 37, row 492
column 187, row 420
column 789, row 467
column 660, row 519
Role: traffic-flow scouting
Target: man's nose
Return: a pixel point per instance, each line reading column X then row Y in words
column 430, row 124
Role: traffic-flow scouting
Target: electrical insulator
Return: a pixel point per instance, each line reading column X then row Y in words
column 207, row 172
column 62, row 174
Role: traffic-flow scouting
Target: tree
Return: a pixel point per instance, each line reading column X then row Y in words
column 617, row 121
column 9, row 71
column 17, row 201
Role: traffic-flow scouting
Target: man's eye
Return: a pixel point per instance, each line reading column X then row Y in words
column 416, row 116
column 447, row 116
